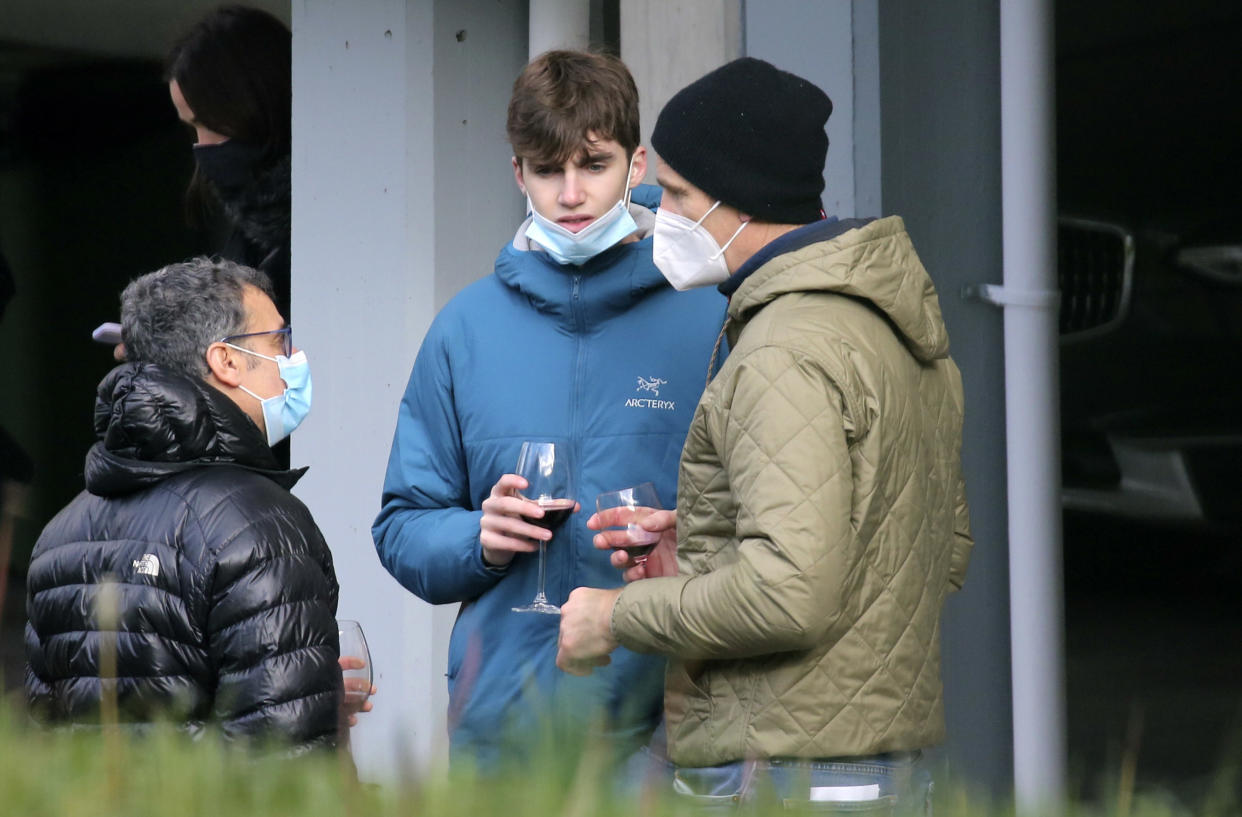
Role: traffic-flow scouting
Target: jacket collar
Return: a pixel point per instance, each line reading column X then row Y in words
column 823, row 230
column 872, row 261
column 604, row 286
column 152, row 423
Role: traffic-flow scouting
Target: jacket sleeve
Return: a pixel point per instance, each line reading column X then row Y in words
column 271, row 632
column 782, row 437
column 427, row 532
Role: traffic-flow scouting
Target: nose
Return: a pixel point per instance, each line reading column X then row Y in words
column 572, row 192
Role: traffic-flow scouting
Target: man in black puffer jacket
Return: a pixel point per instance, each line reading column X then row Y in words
column 186, row 570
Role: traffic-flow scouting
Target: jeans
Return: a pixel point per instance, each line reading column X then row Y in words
column 889, row 784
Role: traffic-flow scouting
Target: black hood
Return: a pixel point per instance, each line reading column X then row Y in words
column 152, row 423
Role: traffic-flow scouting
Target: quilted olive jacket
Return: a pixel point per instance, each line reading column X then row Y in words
column 821, row 516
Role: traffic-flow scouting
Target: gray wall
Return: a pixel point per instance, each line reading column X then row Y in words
column 832, row 45
column 403, row 193
column 940, row 109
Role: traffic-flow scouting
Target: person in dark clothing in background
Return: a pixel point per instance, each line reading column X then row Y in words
column 229, row 79
column 15, row 464
column 224, row 596
column 16, row 467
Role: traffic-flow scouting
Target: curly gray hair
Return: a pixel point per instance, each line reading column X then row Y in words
column 170, row 316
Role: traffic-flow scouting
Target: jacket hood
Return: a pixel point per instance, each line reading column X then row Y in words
column 152, row 423
column 875, row 262
column 605, row 285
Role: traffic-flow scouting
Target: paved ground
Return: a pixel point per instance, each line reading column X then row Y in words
column 1153, row 655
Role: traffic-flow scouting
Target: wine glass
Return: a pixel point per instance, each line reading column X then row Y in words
column 640, row 501
column 354, row 650
column 549, row 476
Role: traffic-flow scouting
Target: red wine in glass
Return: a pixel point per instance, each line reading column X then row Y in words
column 549, row 475
column 555, row 512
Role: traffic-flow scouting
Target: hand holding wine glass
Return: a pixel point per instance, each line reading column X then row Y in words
column 503, row 531
column 616, row 529
column 355, row 662
column 630, row 507
column 549, row 476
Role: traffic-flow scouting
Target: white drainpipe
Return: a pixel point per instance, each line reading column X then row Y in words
column 559, row 24
column 1032, row 392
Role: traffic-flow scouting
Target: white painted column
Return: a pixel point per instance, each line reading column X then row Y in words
column 816, row 42
column 559, row 24
column 667, row 44
column 363, row 294
column 402, row 194
column 1032, row 383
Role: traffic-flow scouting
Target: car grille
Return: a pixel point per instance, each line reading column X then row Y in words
column 1095, row 263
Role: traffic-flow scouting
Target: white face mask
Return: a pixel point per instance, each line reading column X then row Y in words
column 577, row 248
column 685, row 252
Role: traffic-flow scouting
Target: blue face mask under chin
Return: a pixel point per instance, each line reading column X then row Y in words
column 578, row 248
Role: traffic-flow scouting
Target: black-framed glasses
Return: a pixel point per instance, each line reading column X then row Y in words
column 285, row 332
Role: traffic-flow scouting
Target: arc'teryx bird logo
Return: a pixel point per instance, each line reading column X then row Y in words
column 652, row 385
column 148, row 565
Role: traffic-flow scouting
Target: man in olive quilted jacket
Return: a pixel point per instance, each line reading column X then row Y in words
column 821, row 517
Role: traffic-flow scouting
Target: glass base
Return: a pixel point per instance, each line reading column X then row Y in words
column 539, row 606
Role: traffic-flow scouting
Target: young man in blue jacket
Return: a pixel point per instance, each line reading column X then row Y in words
column 577, row 338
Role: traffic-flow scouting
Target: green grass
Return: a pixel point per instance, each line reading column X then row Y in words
column 61, row 774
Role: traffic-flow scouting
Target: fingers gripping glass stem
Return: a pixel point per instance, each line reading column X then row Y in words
column 549, row 475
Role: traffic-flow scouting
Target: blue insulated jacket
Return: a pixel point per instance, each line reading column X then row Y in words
column 606, row 357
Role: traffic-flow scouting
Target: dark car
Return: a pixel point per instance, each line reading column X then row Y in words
column 1150, row 269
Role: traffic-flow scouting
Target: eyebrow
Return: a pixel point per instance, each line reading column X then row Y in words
column 598, row 156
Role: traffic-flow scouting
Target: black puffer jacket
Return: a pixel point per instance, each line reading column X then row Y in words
column 225, row 592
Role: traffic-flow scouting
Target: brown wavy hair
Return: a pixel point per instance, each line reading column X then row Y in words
column 562, row 96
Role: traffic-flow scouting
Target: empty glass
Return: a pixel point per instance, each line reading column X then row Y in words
column 355, row 663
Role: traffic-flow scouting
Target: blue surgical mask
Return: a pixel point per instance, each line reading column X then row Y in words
column 578, row 248
column 285, row 411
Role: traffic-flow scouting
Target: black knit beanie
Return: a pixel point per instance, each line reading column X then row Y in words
column 752, row 136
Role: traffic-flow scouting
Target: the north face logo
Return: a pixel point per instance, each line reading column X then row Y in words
column 148, row 565
column 653, row 385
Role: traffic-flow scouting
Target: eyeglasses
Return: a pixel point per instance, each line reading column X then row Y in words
column 286, row 333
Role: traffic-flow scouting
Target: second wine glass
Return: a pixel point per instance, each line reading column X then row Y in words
column 549, row 476
column 636, row 504
column 355, row 663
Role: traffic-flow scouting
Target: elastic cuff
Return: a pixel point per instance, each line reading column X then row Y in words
column 612, row 617
column 489, row 567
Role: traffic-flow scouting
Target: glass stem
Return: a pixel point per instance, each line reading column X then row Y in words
column 540, row 596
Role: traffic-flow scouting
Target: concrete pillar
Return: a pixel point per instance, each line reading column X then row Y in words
column 668, row 44
column 940, row 107
column 559, row 24
column 402, row 193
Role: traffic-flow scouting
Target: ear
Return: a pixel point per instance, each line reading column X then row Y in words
column 517, row 174
column 639, row 171
column 225, row 363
